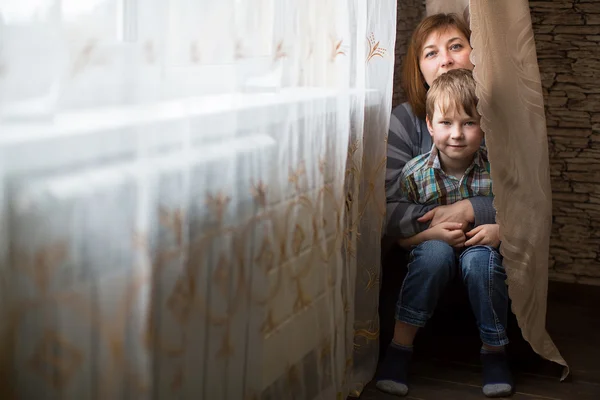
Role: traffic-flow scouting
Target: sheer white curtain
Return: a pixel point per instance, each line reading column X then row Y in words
column 366, row 164
column 192, row 196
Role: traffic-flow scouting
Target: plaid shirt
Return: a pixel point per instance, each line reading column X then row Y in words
column 409, row 138
column 424, row 182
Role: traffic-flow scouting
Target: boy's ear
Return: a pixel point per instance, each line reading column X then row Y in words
column 429, row 127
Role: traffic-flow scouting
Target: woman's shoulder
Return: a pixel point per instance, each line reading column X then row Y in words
column 404, row 111
column 403, row 120
column 405, row 125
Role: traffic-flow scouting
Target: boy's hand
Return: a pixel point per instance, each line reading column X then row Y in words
column 461, row 211
column 449, row 232
column 484, row 235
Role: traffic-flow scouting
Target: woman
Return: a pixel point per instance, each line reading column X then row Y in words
column 439, row 43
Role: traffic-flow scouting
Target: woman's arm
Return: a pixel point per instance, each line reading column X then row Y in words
column 483, row 210
column 474, row 211
column 403, row 218
column 403, row 139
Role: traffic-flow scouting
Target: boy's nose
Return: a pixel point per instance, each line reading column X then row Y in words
column 456, row 133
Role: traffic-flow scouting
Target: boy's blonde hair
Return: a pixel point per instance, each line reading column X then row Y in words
column 452, row 91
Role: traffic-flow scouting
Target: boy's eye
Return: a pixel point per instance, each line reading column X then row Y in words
column 469, row 123
column 445, row 122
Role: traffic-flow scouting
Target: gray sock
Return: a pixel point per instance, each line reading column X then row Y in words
column 497, row 379
column 392, row 378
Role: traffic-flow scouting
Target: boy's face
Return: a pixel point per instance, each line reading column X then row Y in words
column 456, row 135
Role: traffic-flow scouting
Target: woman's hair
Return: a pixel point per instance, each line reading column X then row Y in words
column 453, row 91
column 413, row 83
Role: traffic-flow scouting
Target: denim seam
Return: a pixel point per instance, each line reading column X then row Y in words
column 400, row 306
column 411, row 258
column 490, row 290
column 497, row 337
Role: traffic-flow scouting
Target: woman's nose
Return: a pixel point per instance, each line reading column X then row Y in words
column 447, row 59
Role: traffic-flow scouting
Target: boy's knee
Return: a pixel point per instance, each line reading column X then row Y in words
column 435, row 249
column 477, row 260
column 434, row 256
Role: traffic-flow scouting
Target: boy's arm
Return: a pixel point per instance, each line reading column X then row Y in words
column 415, row 240
column 407, row 207
column 449, row 232
column 484, row 235
column 410, row 192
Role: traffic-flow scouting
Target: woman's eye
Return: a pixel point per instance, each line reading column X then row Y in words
column 456, row 46
column 430, row 54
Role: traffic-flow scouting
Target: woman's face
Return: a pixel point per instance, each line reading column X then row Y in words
column 442, row 51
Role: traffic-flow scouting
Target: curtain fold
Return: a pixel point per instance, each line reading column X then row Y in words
column 511, row 104
column 512, row 108
column 366, row 167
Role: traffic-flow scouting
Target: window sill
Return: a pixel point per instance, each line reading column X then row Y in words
column 110, row 118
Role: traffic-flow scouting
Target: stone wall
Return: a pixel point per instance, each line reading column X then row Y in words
column 410, row 13
column 567, row 34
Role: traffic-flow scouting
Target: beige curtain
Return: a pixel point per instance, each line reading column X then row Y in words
column 447, row 6
column 512, row 109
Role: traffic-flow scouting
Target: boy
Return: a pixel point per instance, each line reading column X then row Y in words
column 456, row 168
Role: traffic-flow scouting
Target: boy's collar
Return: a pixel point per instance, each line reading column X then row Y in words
column 434, row 159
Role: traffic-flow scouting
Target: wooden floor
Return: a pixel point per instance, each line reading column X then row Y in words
column 447, row 368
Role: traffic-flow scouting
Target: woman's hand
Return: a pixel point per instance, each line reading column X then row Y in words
column 461, row 212
column 484, row 235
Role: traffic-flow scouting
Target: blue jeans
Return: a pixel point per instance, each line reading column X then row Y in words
column 434, row 264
